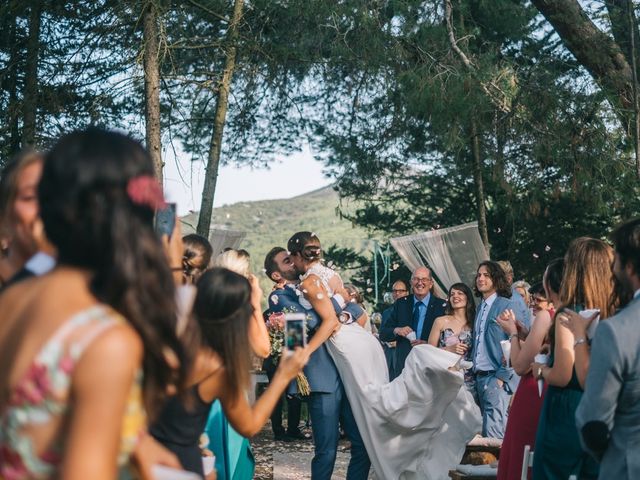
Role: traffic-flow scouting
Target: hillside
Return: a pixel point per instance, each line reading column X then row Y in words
column 270, row 223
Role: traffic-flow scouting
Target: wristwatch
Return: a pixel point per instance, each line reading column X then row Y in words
column 579, row 341
column 513, row 335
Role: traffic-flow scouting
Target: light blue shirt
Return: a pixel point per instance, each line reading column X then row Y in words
column 423, row 312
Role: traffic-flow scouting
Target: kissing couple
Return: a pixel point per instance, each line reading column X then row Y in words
column 415, row 427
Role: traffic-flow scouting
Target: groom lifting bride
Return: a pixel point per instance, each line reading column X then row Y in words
column 414, row 427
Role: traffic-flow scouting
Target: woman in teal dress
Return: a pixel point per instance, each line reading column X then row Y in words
column 587, row 282
column 234, row 458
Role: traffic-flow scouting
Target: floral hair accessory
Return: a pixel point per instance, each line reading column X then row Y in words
column 145, row 190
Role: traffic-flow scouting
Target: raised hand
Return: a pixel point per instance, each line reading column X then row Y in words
column 507, row 321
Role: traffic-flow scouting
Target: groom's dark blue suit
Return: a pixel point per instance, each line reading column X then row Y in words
column 327, row 402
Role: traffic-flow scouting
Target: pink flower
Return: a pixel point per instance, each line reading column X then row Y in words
column 66, row 364
column 276, row 321
column 34, row 386
column 145, row 190
column 11, row 465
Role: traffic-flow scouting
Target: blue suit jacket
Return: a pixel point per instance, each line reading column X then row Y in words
column 493, row 334
column 320, row 369
column 402, row 316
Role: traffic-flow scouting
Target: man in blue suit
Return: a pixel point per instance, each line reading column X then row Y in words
column 327, row 402
column 495, row 382
column 413, row 314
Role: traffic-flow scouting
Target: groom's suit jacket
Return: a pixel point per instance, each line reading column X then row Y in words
column 493, row 334
column 608, row 416
column 320, row 370
column 402, row 316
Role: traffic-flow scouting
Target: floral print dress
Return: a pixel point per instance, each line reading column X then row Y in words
column 41, row 397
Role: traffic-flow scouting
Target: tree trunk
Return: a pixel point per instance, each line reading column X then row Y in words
column 213, row 159
column 30, row 100
column 13, row 108
column 479, row 184
column 152, row 87
column 619, row 11
column 596, row 51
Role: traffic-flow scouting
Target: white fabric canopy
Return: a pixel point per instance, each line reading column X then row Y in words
column 452, row 253
column 221, row 239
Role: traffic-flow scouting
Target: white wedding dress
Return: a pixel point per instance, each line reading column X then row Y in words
column 415, row 427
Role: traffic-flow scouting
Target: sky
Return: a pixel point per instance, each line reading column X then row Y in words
column 287, row 177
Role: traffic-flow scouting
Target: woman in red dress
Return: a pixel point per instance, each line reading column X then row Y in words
column 527, row 401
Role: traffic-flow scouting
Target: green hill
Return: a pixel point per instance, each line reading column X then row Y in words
column 270, row 223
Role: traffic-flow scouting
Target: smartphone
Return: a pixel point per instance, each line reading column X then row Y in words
column 165, row 220
column 295, row 330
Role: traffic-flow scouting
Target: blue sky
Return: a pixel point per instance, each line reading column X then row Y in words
column 287, row 177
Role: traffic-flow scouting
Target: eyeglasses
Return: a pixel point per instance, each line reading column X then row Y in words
column 421, row 279
column 398, row 290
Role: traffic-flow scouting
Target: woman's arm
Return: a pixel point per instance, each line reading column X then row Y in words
column 258, row 333
column 100, row 387
column 560, row 374
column 522, row 354
column 316, row 294
column 435, row 331
column 248, row 420
column 578, row 326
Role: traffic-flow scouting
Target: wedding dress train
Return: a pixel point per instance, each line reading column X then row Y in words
column 415, row 427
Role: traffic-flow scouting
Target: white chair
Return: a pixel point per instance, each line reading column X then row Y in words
column 527, row 462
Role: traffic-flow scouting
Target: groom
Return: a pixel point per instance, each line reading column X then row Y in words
column 327, row 402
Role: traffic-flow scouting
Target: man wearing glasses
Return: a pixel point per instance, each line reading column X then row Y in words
column 412, row 317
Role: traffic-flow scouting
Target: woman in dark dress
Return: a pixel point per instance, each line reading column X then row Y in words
column 223, row 310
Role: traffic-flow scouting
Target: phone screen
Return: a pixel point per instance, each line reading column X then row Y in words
column 295, row 330
column 166, row 220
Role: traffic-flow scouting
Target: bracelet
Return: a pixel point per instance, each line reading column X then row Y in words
column 513, row 335
column 579, row 341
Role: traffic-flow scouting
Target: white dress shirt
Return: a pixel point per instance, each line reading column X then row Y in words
column 482, row 360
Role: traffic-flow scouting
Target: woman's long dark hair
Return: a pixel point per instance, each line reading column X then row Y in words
column 90, row 218
column 196, row 257
column 470, row 309
column 223, row 309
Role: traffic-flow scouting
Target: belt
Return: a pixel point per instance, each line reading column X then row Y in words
column 484, row 373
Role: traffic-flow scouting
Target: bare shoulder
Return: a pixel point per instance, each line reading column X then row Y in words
column 119, row 347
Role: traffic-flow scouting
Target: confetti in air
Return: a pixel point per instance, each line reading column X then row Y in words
column 547, row 248
column 535, row 255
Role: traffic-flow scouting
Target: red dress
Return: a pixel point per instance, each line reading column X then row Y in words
column 521, row 427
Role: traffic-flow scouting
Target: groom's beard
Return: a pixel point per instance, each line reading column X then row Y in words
column 290, row 276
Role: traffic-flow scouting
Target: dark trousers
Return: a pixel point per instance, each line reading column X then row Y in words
column 294, row 405
column 326, row 411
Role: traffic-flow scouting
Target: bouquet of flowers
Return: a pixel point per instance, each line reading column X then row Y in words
column 275, row 327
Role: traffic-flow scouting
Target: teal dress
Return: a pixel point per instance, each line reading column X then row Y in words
column 234, row 458
column 558, row 453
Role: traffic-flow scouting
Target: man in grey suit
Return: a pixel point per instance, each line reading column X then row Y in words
column 608, row 417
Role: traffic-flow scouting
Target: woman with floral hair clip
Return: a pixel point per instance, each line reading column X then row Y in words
column 88, row 350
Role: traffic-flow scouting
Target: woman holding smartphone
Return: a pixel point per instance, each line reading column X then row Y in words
column 223, row 311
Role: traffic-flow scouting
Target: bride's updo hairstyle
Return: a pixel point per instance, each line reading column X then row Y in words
column 307, row 244
column 97, row 201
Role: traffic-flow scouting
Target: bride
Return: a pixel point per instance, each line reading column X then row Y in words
column 415, row 427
